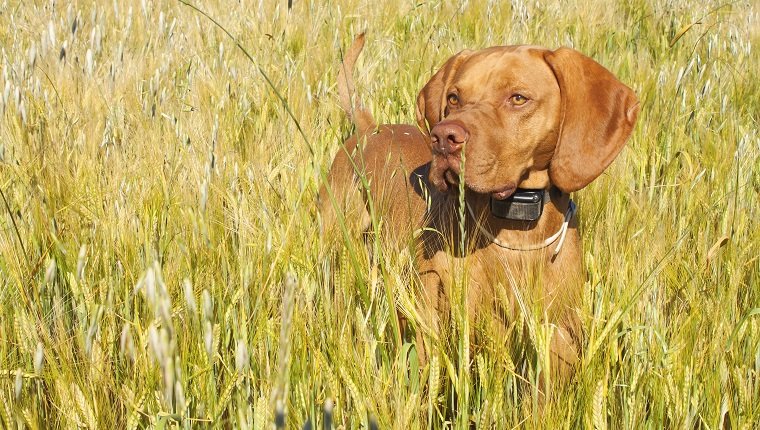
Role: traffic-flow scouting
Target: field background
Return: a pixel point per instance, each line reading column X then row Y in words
column 161, row 265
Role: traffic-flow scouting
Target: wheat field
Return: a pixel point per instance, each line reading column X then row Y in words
column 161, row 264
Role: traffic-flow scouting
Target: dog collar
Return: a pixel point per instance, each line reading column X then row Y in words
column 558, row 236
column 523, row 205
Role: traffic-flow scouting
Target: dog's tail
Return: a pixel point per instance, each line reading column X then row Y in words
column 355, row 111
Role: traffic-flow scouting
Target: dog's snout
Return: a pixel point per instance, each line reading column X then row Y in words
column 448, row 137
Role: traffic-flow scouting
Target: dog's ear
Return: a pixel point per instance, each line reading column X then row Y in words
column 597, row 116
column 431, row 101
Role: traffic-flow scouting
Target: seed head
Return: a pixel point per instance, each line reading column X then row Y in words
column 81, row 261
column 208, row 305
column 39, row 358
column 51, row 32
column 208, row 338
column 241, row 356
column 187, row 288
column 50, row 272
column 19, row 384
column 127, row 344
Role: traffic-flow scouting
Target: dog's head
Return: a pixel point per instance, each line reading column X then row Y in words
column 513, row 112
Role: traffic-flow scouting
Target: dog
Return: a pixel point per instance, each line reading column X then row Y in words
column 503, row 136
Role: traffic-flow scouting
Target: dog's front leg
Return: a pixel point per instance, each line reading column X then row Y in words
column 430, row 305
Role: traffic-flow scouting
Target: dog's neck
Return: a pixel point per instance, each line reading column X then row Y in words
column 523, row 205
column 555, row 207
column 527, row 203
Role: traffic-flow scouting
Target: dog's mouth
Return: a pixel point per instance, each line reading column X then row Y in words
column 452, row 179
column 505, row 192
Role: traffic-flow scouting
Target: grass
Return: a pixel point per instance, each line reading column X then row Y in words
column 160, row 263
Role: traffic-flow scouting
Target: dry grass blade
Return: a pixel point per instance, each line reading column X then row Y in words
column 713, row 252
column 681, row 32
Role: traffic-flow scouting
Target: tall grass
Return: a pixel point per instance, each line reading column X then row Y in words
column 160, row 261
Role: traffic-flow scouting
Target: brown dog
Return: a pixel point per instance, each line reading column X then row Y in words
column 504, row 120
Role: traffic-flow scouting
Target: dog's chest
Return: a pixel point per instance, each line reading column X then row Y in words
column 490, row 275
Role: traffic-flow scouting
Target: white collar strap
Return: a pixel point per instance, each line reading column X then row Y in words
column 571, row 208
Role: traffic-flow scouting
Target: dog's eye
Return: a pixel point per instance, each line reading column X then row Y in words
column 518, row 100
column 453, row 99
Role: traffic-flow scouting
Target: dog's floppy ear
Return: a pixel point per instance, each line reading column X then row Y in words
column 597, row 117
column 432, row 99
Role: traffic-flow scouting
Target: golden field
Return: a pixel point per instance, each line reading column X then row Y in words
column 160, row 258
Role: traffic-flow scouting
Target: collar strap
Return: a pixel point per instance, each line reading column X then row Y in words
column 559, row 235
column 523, row 205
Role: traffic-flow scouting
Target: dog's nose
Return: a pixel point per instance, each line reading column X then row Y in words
column 448, row 137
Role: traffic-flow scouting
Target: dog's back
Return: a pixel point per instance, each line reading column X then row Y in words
column 372, row 166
